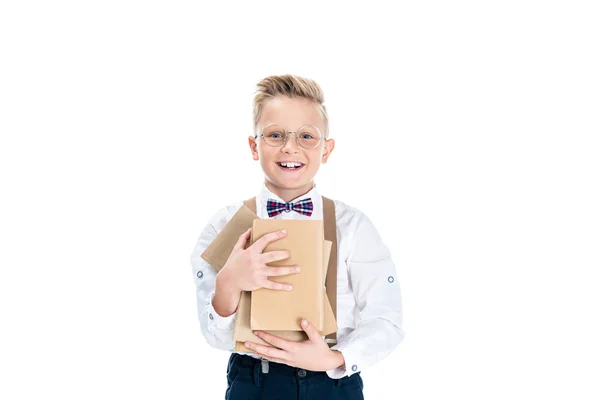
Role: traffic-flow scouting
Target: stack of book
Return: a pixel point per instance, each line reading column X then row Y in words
column 280, row 312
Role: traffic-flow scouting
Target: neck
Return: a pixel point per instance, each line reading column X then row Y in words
column 289, row 194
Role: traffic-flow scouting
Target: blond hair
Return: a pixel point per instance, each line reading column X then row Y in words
column 290, row 86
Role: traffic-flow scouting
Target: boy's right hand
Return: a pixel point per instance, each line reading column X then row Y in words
column 247, row 269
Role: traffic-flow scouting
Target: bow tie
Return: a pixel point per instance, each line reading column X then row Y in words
column 304, row 207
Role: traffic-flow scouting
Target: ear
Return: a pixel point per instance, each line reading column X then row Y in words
column 253, row 147
column 327, row 149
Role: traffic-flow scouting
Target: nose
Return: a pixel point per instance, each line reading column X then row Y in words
column 291, row 144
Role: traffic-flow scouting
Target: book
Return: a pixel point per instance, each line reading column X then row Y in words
column 284, row 310
column 242, row 331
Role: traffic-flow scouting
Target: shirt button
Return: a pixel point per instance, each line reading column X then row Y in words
column 354, row 368
column 390, row 279
column 301, row 373
column 211, row 316
column 200, row 274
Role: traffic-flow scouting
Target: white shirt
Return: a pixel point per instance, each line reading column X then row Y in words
column 369, row 303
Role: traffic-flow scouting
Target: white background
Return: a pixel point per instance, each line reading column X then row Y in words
column 467, row 131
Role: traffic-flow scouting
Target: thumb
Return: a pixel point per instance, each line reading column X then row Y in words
column 311, row 331
column 241, row 243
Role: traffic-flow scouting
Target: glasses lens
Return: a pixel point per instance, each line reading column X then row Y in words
column 274, row 134
column 309, row 137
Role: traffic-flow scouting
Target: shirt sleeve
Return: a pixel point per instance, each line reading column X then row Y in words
column 217, row 330
column 376, row 290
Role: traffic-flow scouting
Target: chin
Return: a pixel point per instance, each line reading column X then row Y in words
column 277, row 179
column 286, row 184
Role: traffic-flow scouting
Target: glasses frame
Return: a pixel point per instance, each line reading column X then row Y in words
column 287, row 133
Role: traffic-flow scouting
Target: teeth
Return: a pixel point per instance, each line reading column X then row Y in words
column 291, row 164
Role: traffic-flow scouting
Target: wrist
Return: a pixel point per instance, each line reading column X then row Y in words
column 224, row 282
column 226, row 298
column 337, row 359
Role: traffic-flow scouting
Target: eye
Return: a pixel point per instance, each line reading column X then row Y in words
column 274, row 135
column 306, row 136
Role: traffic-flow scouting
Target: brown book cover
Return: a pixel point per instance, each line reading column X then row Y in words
column 243, row 333
column 284, row 310
column 217, row 253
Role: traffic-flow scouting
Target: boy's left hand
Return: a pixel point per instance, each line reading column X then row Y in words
column 312, row 354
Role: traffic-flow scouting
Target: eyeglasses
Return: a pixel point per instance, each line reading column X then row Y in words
column 275, row 135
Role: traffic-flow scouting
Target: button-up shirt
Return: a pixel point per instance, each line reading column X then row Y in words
column 369, row 303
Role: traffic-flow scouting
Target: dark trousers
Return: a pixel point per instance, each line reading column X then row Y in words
column 247, row 381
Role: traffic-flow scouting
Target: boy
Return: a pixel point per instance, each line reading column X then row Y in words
column 291, row 141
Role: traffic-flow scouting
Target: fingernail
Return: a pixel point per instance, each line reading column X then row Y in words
column 304, row 322
column 283, row 231
column 297, row 269
column 289, row 287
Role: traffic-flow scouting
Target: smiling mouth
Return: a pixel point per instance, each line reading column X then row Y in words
column 290, row 166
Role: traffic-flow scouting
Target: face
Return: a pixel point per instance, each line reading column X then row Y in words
column 292, row 113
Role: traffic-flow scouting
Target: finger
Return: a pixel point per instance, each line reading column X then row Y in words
column 241, row 242
column 275, row 341
column 273, row 359
column 269, row 284
column 275, row 255
column 280, row 271
column 311, row 331
column 268, row 238
column 266, row 350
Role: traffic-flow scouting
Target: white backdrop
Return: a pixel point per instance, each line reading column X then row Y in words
column 467, row 131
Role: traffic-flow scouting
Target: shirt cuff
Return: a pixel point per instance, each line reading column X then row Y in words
column 348, row 368
column 217, row 323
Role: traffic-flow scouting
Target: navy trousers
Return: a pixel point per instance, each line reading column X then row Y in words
column 247, row 381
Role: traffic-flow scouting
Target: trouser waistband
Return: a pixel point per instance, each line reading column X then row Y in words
column 282, row 371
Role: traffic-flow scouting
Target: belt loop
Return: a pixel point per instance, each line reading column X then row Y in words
column 264, row 366
column 257, row 368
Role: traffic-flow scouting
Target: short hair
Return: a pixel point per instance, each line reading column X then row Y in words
column 290, row 86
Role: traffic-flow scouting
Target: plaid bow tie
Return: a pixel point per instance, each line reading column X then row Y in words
column 304, row 207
